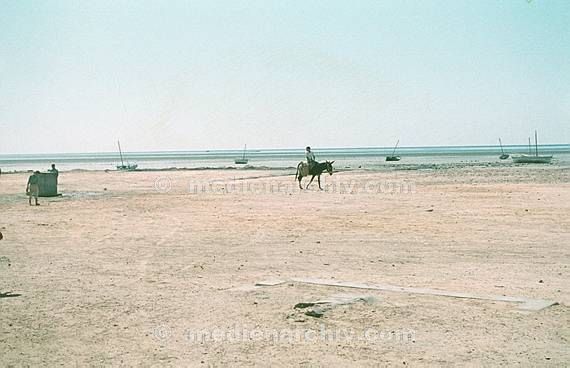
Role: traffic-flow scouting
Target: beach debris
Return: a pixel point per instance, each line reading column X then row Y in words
column 318, row 308
column 1, row 236
column 271, row 282
column 9, row 294
column 525, row 304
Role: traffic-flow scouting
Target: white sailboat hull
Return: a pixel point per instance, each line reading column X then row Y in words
column 529, row 159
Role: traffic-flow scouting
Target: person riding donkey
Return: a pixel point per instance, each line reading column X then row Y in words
column 311, row 161
column 312, row 168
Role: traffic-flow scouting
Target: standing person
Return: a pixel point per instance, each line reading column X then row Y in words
column 33, row 187
column 53, row 170
column 310, row 158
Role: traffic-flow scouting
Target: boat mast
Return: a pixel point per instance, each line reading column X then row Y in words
column 396, row 146
column 244, row 148
column 120, row 153
column 501, row 144
column 536, row 142
column 529, row 149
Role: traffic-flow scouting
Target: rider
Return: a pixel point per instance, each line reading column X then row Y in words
column 310, row 158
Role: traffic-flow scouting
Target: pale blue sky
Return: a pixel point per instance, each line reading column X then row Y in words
column 183, row 75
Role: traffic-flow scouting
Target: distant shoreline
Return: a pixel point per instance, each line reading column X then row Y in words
column 384, row 168
column 274, row 159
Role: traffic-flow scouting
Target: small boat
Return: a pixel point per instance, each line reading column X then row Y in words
column 122, row 166
column 128, row 167
column 392, row 157
column 503, row 155
column 532, row 159
column 242, row 160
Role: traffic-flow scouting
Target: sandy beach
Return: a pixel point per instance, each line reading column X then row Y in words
column 125, row 267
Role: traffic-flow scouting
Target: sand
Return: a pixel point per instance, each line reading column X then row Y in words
column 136, row 268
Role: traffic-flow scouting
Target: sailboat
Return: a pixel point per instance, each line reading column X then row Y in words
column 532, row 159
column 122, row 166
column 242, row 160
column 392, row 157
column 503, row 155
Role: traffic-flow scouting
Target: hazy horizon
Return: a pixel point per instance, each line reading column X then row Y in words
column 214, row 75
column 566, row 146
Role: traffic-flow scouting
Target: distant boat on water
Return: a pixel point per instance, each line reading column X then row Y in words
column 122, row 166
column 503, row 155
column 530, row 158
column 392, row 157
column 242, row 160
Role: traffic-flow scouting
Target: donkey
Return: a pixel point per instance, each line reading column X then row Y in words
column 316, row 170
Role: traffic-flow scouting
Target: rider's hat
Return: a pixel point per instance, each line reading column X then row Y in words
column 308, row 148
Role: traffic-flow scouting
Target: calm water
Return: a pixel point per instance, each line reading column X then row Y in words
column 349, row 158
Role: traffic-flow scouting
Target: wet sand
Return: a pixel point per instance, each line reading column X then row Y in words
column 125, row 268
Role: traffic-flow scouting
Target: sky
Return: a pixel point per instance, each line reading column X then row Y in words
column 75, row 76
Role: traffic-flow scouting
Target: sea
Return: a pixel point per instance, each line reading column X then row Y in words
column 366, row 158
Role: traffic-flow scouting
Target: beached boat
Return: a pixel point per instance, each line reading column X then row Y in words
column 242, row 160
column 393, row 157
column 532, row 159
column 503, row 155
column 122, row 166
column 128, row 167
